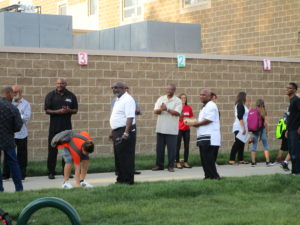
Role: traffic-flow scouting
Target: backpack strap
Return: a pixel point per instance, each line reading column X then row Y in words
column 75, row 147
column 81, row 137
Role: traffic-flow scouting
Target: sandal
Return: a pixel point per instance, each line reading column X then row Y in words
column 244, row 162
column 178, row 166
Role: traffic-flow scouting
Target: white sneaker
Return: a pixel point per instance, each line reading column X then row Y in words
column 85, row 184
column 67, row 185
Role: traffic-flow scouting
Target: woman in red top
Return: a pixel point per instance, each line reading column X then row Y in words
column 184, row 132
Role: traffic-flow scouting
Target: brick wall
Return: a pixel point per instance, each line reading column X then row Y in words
column 256, row 27
column 147, row 76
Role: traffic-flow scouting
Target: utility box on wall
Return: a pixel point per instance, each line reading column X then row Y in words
column 35, row 30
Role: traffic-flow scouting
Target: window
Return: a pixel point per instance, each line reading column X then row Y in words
column 92, row 7
column 193, row 5
column 132, row 9
column 62, row 9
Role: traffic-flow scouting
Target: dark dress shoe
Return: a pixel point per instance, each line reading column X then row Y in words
column 71, row 176
column 170, row 169
column 137, row 172
column 51, row 176
column 157, row 168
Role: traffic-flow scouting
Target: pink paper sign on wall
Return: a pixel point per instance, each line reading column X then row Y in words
column 82, row 58
column 267, row 64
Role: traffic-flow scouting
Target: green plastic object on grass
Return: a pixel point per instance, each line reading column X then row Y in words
column 57, row 203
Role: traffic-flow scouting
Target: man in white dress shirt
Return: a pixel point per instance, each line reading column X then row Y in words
column 208, row 134
column 123, row 133
column 21, row 136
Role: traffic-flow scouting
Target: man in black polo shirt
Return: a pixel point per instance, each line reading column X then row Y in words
column 293, row 127
column 60, row 104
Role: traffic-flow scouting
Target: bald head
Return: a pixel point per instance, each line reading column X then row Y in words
column 7, row 92
column 17, row 89
column 171, row 88
column 61, row 85
column 205, row 95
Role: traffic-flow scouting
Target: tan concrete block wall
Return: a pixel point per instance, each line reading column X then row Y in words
column 4, row 3
column 262, row 28
column 147, row 78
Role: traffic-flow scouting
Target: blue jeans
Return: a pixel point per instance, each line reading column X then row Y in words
column 262, row 134
column 14, row 167
column 294, row 150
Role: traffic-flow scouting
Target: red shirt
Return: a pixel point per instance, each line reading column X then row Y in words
column 187, row 113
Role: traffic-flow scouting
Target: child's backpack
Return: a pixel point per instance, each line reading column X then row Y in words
column 280, row 128
column 255, row 120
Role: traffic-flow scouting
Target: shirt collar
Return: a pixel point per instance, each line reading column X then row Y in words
column 65, row 91
column 123, row 95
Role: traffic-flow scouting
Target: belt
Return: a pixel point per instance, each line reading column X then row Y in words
column 133, row 128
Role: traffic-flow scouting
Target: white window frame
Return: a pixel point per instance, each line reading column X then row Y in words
column 59, row 5
column 203, row 4
column 134, row 18
column 89, row 8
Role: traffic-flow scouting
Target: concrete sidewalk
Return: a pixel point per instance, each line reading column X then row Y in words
column 105, row 179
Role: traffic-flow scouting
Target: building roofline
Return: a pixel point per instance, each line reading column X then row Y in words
column 143, row 54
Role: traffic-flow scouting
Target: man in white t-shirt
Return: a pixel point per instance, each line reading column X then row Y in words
column 168, row 109
column 208, row 134
column 123, row 133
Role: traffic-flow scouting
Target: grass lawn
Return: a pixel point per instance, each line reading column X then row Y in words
column 143, row 162
column 263, row 200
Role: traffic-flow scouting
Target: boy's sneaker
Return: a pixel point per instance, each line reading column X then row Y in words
column 253, row 164
column 285, row 166
column 85, row 184
column 67, row 185
column 269, row 164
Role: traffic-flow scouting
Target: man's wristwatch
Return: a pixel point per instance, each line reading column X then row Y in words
column 126, row 134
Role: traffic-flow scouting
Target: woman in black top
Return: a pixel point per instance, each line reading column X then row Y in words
column 239, row 125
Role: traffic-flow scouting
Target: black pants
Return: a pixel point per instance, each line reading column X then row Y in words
column 207, row 156
column 161, row 141
column 124, row 155
column 185, row 135
column 216, row 153
column 294, row 150
column 134, row 146
column 237, row 147
column 21, row 156
column 52, row 156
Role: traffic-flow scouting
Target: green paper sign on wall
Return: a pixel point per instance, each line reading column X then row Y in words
column 181, row 61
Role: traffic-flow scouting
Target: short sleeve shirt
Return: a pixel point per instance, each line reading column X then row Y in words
column 210, row 112
column 54, row 101
column 124, row 108
column 187, row 113
column 167, row 123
